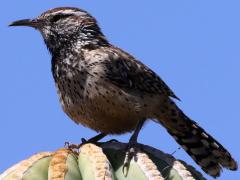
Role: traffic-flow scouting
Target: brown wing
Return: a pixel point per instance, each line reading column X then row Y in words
column 127, row 73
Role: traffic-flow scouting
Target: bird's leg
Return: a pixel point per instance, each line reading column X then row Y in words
column 131, row 147
column 94, row 140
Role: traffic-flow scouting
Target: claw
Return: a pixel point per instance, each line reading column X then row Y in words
column 66, row 144
column 128, row 157
column 125, row 168
column 131, row 153
column 76, row 146
column 70, row 146
column 131, row 148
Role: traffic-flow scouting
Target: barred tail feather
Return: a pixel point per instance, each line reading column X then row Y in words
column 205, row 150
column 208, row 153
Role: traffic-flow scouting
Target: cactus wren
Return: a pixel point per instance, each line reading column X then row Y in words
column 106, row 89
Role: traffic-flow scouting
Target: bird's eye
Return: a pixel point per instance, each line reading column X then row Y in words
column 59, row 16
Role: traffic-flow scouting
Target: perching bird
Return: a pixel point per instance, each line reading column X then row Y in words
column 106, row 89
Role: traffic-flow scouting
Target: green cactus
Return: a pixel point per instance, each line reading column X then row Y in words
column 101, row 162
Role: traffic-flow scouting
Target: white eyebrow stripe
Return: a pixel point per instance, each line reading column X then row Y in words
column 70, row 11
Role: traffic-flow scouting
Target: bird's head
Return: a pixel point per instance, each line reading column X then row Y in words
column 66, row 27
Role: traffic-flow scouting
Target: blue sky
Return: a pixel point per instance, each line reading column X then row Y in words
column 193, row 45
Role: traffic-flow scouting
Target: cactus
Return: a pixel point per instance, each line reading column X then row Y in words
column 104, row 161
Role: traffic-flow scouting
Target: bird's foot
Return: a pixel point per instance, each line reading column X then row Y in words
column 132, row 148
column 93, row 140
column 75, row 147
column 131, row 153
column 72, row 147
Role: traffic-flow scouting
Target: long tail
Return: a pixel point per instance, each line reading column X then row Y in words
column 208, row 153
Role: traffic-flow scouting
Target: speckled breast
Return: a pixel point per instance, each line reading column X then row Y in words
column 97, row 105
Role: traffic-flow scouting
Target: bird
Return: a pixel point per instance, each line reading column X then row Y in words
column 108, row 90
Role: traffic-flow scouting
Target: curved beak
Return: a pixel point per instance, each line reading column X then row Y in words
column 25, row 22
